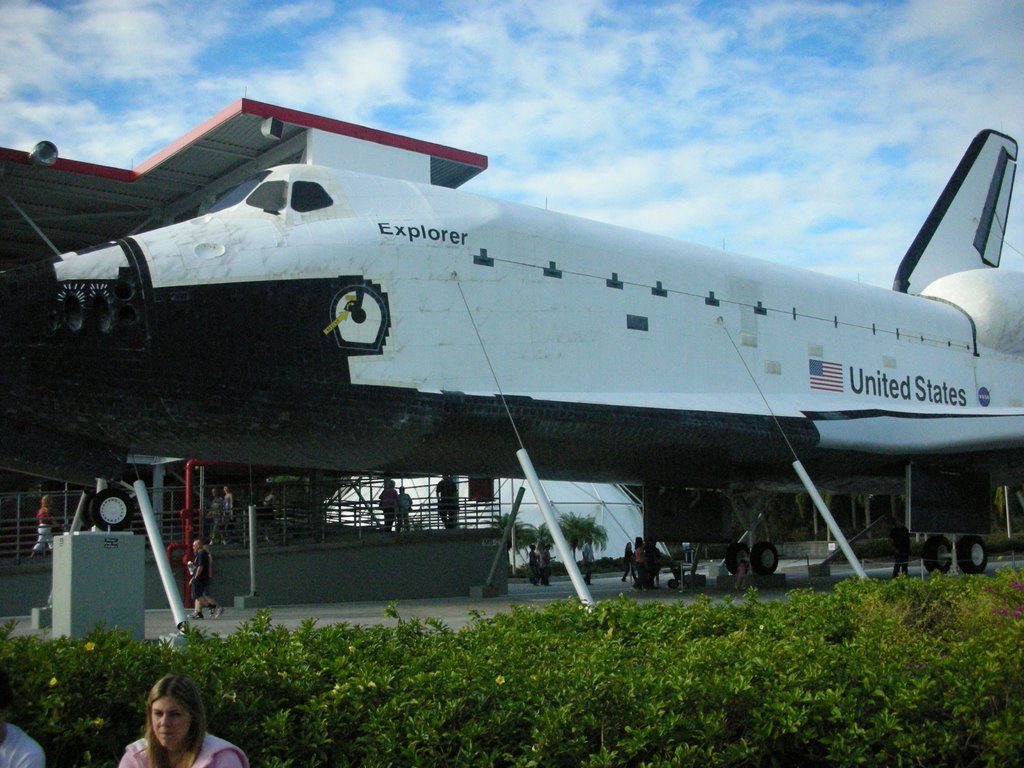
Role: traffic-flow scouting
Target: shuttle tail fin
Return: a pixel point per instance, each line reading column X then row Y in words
column 965, row 227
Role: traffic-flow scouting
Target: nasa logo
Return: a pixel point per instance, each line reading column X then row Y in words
column 984, row 397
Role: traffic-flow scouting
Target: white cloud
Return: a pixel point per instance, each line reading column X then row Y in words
column 350, row 76
column 296, row 14
column 818, row 133
column 135, row 41
column 28, row 62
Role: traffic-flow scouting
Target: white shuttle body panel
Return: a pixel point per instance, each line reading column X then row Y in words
column 332, row 319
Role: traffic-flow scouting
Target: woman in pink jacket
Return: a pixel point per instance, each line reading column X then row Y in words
column 176, row 734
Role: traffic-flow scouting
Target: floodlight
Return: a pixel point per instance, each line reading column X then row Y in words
column 272, row 128
column 44, row 153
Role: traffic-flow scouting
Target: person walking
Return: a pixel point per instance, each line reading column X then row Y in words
column 588, row 561
column 230, row 527
column 388, row 503
column 640, row 572
column 447, row 491
column 265, row 514
column 44, row 529
column 215, row 513
column 200, row 568
column 545, row 565
column 900, row 536
column 534, row 565
column 652, row 564
column 404, row 509
column 627, row 556
column 742, row 567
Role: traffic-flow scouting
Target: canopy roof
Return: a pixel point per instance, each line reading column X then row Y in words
column 77, row 204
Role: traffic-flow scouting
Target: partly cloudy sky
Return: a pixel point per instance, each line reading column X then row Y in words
column 817, row 134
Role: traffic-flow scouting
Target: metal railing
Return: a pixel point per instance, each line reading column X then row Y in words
column 356, row 507
column 19, row 531
column 301, row 513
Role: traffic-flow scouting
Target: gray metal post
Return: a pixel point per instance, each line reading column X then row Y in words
column 79, row 518
column 252, row 550
column 503, row 547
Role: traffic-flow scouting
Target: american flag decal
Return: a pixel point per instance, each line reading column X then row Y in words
column 825, row 375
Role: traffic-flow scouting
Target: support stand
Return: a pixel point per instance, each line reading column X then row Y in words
column 582, row 591
column 163, row 563
column 488, row 589
column 830, row 521
column 42, row 617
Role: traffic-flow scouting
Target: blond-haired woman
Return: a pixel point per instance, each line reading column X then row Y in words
column 175, row 734
column 44, row 529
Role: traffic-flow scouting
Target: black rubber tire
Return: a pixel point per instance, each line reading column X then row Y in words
column 764, row 558
column 673, row 583
column 732, row 556
column 971, row 555
column 112, row 510
column 938, row 554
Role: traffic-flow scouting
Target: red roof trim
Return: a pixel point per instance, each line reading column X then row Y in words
column 70, row 166
column 259, row 109
column 191, row 137
column 309, row 120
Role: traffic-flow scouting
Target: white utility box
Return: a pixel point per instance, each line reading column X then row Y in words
column 99, row 579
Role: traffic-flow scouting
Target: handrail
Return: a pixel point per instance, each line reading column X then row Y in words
column 296, row 519
column 837, row 552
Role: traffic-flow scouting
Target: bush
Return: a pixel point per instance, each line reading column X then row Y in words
column 900, row 672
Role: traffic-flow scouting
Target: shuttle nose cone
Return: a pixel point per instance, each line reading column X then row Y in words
column 26, row 295
column 64, row 319
column 73, row 346
column 97, row 291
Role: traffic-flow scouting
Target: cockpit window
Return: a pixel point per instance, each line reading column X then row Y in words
column 271, row 196
column 309, row 196
column 237, row 194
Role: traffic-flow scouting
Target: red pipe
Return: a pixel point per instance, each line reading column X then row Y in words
column 186, row 521
column 186, row 578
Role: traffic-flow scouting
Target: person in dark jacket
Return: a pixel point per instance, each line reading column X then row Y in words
column 901, row 540
column 628, row 557
column 545, row 565
column 534, row 565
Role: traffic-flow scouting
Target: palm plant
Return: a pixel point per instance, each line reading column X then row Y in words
column 577, row 529
column 523, row 534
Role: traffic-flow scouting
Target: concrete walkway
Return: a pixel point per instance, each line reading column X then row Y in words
column 456, row 613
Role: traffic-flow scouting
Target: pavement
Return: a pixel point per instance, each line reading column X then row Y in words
column 457, row 612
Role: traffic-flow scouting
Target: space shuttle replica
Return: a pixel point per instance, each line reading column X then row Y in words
column 318, row 317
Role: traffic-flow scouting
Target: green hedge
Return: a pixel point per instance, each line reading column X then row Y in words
column 900, row 672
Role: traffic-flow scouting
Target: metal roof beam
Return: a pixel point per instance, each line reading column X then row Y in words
column 239, row 152
column 276, row 155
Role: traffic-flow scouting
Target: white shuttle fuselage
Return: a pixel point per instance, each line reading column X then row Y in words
column 341, row 320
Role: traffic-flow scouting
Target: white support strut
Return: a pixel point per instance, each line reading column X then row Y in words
column 582, row 591
column 163, row 563
column 829, row 520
